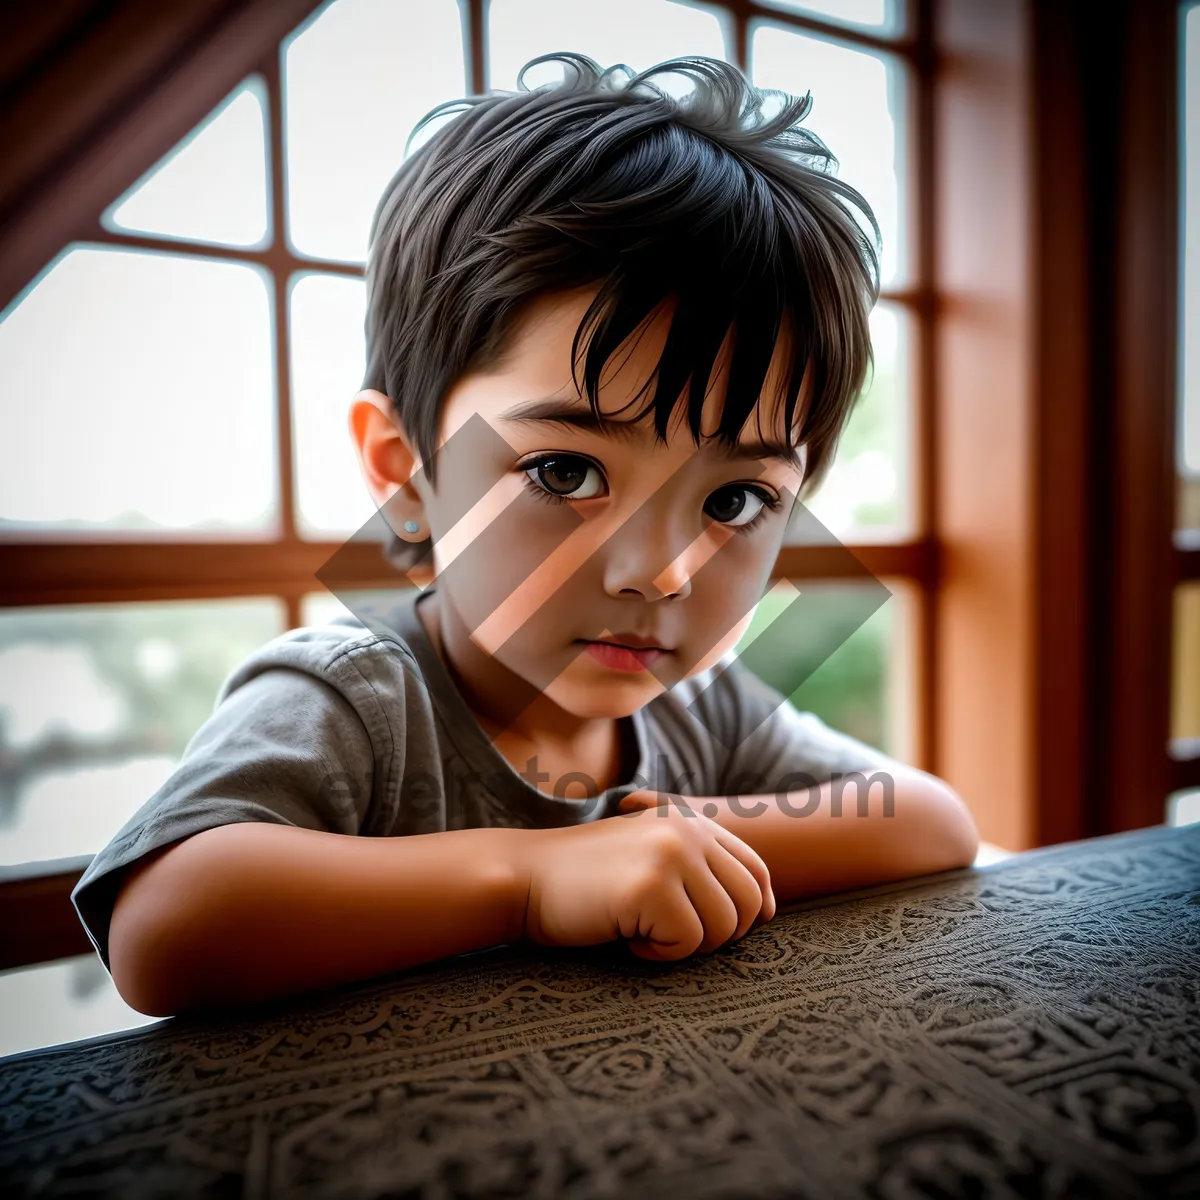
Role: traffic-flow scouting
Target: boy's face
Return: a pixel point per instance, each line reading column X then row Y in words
column 550, row 534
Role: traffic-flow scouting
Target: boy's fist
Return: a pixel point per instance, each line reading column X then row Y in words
column 670, row 881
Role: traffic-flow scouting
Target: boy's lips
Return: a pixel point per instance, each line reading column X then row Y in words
column 631, row 641
column 624, row 655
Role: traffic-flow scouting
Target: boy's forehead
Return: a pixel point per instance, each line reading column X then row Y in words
column 572, row 411
column 549, row 324
column 534, row 385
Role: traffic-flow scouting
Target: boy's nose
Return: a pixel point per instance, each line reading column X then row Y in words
column 648, row 557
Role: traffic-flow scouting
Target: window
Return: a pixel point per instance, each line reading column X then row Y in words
column 193, row 358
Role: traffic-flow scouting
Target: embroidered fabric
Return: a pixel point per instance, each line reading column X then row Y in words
column 1030, row 1028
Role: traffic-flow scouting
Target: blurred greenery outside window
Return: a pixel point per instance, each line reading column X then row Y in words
column 98, row 703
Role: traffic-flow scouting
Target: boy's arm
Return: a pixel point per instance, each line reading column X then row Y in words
column 811, row 849
column 254, row 910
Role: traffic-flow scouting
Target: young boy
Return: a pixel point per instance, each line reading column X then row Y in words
column 510, row 770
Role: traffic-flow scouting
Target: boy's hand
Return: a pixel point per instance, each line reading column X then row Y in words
column 669, row 881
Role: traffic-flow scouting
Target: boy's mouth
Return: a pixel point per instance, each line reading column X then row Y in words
column 633, row 654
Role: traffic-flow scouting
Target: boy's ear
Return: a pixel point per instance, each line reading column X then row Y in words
column 385, row 455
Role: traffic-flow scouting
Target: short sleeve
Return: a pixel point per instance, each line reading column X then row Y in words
column 284, row 746
column 772, row 746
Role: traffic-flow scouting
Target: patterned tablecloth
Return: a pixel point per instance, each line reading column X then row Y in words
column 1026, row 1029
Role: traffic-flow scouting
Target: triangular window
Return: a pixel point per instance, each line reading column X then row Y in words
column 212, row 187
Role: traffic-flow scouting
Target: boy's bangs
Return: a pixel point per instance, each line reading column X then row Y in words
column 709, row 313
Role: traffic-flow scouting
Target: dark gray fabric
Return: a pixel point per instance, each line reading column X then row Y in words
column 358, row 728
column 1026, row 1029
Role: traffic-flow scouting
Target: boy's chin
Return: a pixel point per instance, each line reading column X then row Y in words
column 593, row 695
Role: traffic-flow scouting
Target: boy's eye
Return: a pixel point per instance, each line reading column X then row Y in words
column 565, row 477
column 736, row 505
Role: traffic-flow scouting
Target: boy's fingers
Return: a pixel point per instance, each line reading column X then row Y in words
column 636, row 801
column 742, row 885
column 748, row 855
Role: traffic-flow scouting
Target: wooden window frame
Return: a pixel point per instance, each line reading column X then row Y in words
column 1057, row 268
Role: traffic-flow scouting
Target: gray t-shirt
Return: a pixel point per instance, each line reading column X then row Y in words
column 356, row 727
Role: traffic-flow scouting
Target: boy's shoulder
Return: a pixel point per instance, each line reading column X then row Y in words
column 338, row 648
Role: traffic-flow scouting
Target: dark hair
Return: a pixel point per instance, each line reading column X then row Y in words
column 702, row 199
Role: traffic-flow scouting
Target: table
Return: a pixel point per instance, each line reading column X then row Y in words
column 1030, row 1028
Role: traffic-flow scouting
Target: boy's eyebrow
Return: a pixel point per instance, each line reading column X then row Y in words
column 557, row 410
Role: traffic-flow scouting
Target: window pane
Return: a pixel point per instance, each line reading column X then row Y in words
column 1188, row 442
column 328, row 364
column 98, row 703
column 213, row 186
column 883, row 16
column 61, row 1002
column 867, row 487
column 356, row 80
column 857, row 103
column 1185, row 686
column 140, row 396
column 860, row 686
column 638, row 33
